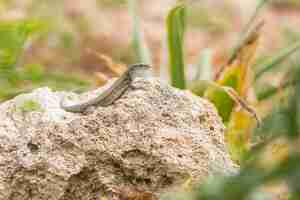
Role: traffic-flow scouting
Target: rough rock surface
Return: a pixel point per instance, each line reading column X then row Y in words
column 152, row 138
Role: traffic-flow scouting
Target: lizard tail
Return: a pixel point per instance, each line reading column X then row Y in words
column 71, row 108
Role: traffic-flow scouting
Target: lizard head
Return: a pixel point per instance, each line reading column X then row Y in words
column 139, row 70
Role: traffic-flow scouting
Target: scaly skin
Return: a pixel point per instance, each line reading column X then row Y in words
column 114, row 92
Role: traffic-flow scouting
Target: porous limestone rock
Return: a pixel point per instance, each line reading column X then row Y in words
column 149, row 140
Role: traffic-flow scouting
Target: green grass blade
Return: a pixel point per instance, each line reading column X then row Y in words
column 140, row 47
column 269, row 91
column 204, row 66
column 175, row 32
column 277, row 59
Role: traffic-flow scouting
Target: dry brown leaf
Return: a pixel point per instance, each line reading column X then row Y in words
column 244, row 51
column 101, row 78
column 116, row 68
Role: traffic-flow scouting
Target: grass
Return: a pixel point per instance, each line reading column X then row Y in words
column 175, row 24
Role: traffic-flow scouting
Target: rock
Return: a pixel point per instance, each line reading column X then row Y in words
column 149, row 140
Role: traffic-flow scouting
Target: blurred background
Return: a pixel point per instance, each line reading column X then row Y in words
column 80, row 36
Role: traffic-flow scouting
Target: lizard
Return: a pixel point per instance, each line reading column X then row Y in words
column 114, row 92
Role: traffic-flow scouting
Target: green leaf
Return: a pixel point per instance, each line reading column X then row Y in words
column 221, row 99
column 276, row 60
column 175, row 33
column 235, row 74
column 139, row 45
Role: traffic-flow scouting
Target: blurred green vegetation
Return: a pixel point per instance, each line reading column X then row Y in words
column 215, row 22
column 17, row 77
column 283, row 122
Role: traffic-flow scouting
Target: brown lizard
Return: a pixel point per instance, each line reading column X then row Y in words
column 115, row 91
